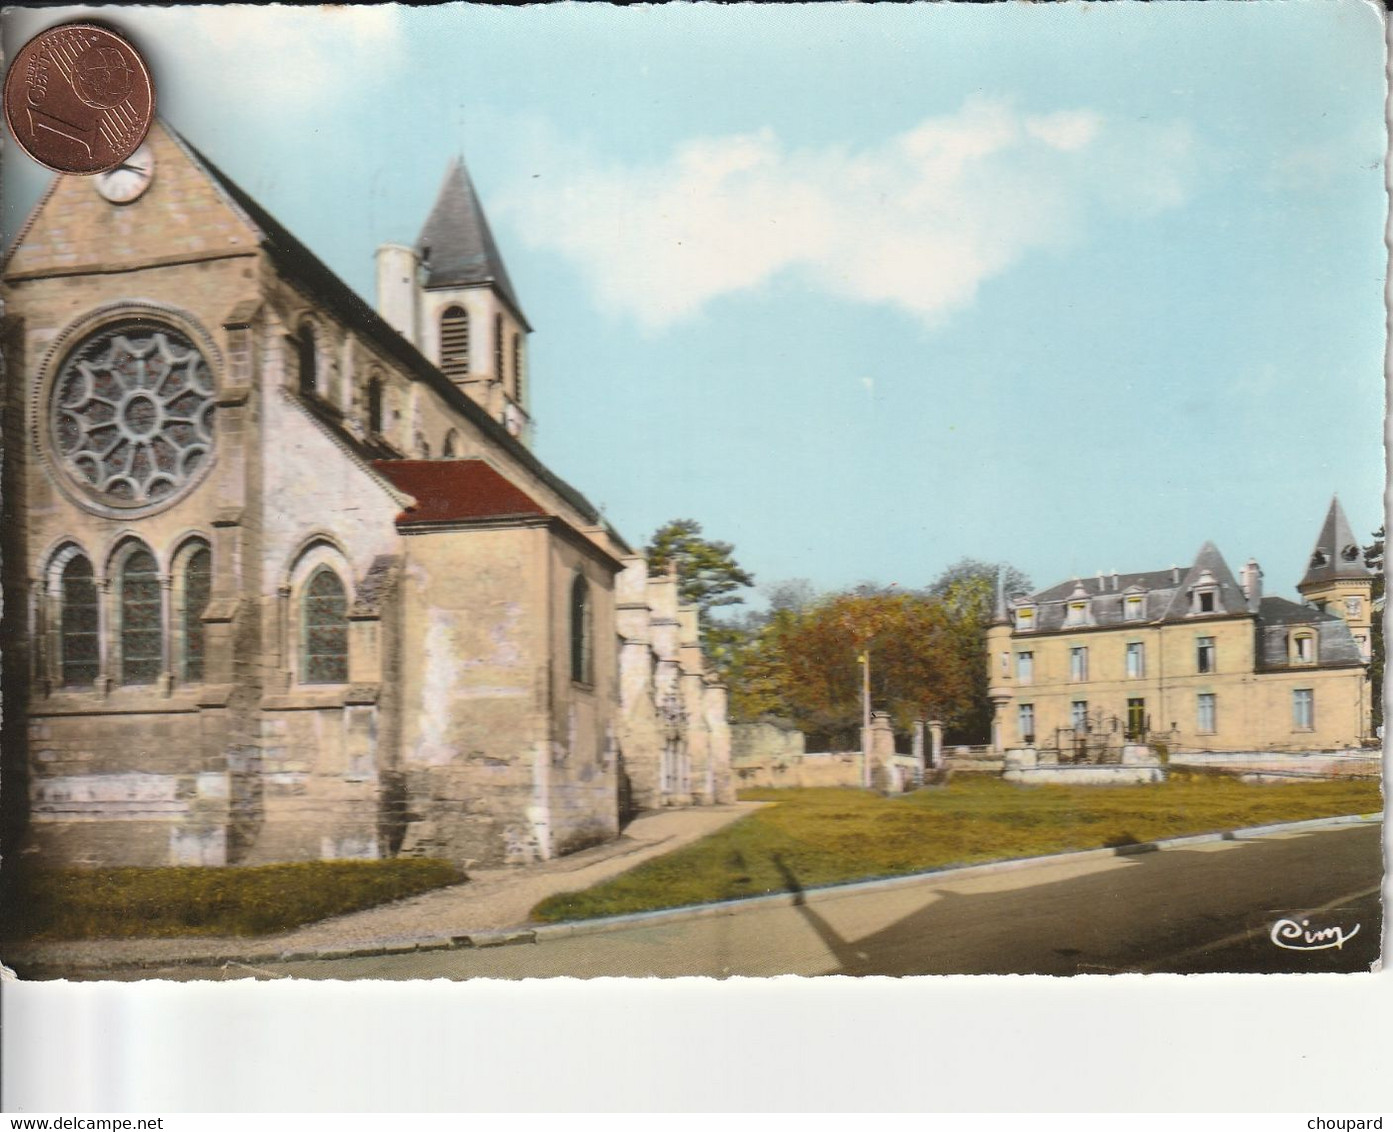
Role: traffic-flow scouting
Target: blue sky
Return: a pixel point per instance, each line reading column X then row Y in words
column 869, row 289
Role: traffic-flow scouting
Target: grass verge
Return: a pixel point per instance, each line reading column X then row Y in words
column 829, row 836
column 48, row 904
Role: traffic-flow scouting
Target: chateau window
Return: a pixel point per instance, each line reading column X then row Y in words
column 1134, row 608
column 1078, row 715
column 1025, row 722
column 1136, row 660
column 581, row 635
column 1136, row 718
column 1205, row 713
column 1303, row 648
column 450, row 449
column 194, row 579
column 1025, row 619
column 498, row 347
column 308, row 359
column 454, row 343
column 142, row 628
column 1025, row 667
column 1078, row 663
column 1303, row 709
column 1077, row 613
column 1206, row 658
column 325, row 629
column 79, row 652
column 375, row 406
column 1363, row 642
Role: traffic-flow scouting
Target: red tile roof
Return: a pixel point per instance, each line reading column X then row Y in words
column 452, row 490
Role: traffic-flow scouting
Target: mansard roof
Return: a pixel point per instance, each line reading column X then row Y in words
column 1165, row 594
column 1277, row 617
column 457, row 247
column 301, row 266
column 456, row 491
column 1337, row 555
column 1167, row 599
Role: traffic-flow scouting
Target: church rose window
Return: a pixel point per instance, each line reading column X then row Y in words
column 141, row 629
column 132, row 414
column 79, row 624
column 326, row 630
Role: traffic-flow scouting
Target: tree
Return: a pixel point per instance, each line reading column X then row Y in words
column 707, row 573
column 1373, row 559
column 969, row 588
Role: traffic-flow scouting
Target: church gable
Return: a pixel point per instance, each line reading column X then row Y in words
column 181, row 216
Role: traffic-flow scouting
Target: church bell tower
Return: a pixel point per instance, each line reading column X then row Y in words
column 450, row 295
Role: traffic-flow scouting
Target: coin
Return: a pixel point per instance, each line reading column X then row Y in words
column 78, row 98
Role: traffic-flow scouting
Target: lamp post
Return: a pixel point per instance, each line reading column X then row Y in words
column 865, row 659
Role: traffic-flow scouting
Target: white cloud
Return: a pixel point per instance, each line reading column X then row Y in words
column 919, row 221
column 290, row 59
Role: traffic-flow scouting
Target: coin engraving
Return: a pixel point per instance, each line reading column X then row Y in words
column 78, row 99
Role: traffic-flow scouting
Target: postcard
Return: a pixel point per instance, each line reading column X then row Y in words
column 701, row 491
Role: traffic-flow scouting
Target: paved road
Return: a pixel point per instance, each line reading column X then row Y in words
column 1208, row 907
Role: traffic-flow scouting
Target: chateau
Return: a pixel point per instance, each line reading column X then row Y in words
column 1191, row 657
column 283, row 577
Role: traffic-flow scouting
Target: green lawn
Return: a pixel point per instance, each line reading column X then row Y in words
column 158, row 903
column 819, row 837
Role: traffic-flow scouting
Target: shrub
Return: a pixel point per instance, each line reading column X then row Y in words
column 119, row 903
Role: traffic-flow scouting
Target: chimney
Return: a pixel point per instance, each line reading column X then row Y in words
column 1251, row 581
column 1175, row 575
column 1114, row 579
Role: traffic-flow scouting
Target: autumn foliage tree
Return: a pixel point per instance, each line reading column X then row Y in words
column 927, row 659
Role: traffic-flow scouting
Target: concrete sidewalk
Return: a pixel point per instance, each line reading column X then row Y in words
column 491, row 908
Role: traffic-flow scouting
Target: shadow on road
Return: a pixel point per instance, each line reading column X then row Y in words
column 1193, row 910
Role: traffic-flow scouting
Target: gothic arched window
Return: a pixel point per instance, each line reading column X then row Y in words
column 450, row 449
column 142, row 628
column 581, row 634
column 325, row 618
column 375, row 405
column 79, row 652
column 194, row 581
column 454, row 343
column 308, row 359
column 498, row 347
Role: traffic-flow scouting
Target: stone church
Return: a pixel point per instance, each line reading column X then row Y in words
column 283, row 577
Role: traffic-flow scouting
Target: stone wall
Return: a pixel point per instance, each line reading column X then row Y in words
column 753, row 744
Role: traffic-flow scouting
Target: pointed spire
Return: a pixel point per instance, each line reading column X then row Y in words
column 456, row 245
column 1337, row 554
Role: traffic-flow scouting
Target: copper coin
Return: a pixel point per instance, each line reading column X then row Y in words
column 78, row 98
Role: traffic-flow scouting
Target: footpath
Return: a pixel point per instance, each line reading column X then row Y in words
column 491, row 908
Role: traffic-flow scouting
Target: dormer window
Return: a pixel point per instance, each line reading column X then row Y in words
column 1025, row 618
column 1134, row 607
column 1077, row 613
column 1303, row 647
column 1204, row 594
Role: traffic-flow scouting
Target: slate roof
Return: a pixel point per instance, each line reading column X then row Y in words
column 294, row 260
column 1165, row 594
column 456, row 491
column 456, row 245
column 1337, row 553
column 1168, row 600
column 1335, row 645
